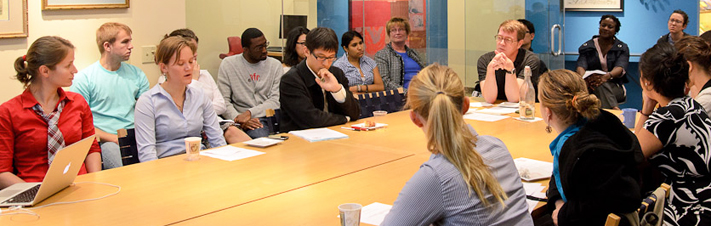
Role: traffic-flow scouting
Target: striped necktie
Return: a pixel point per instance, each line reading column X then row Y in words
column 55, row 139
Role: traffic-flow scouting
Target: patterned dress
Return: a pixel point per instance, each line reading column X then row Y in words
column 684, row 130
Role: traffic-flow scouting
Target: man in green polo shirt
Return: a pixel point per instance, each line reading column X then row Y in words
column 111, row 87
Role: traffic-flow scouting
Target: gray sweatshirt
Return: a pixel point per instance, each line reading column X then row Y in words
column 246, row 86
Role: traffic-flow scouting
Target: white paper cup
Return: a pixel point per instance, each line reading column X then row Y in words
column 379, row 113
column 192, row 148
column 350, row 214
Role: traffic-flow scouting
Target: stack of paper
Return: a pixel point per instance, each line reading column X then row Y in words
column 484, row 117
column 530, row 169
column 321, row 134
column 230, row 153
column 535, row 190
column 498, row 110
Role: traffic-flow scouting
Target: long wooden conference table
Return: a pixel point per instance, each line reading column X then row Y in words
column 294, row 183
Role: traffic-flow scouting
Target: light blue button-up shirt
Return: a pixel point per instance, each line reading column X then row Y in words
column 161, row 128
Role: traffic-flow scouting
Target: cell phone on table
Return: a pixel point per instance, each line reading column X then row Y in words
column 278, row 137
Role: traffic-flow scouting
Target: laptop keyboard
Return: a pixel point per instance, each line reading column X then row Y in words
column 26, row 196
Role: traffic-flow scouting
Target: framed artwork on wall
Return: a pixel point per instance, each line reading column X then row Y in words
column 593, row 5
column 13, row 18
column 84, row 4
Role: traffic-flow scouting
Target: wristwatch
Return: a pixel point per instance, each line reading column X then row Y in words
column 512, row 71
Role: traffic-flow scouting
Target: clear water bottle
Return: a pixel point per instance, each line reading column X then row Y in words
column 527, row 97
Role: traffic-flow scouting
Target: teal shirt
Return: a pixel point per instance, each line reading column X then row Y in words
column 556, row 146
column 111, row 95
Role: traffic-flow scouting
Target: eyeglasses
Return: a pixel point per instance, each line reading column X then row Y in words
column 676, row 21
column 261, row 47
column 506, row 40
column 396, row 30
column 322, row 58
column 300, row 43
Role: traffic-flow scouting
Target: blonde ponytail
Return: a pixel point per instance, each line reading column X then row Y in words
column 437, row 94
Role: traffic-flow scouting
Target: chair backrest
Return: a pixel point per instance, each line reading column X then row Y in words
column 650, row 212
column 273, row 118
column 388, row 100
column 235, row 45
column 127, row 143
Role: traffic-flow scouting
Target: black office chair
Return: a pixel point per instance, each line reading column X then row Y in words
column 127, row 143
column 388, row 100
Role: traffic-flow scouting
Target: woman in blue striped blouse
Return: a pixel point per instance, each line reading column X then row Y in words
column 456, row 185
column 361, row 71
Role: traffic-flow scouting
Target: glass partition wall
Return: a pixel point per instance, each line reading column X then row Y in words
column 450, row 32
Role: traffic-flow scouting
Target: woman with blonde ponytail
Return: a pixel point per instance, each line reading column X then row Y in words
column 469, row 179
column 595, row 156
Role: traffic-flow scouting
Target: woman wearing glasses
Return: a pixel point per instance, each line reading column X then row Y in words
column 397, row 63
column 295, row 50
column 608, row 56
column 361, row 71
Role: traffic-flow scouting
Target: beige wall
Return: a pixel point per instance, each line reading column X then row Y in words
column 149, row 20
column 214, row 22
column 471, row 37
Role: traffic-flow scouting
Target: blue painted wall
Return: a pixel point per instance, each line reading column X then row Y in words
column 437, row 42
column 334, row 15
column 643, row 21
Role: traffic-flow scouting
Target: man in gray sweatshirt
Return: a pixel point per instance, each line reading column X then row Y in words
column 249, row 82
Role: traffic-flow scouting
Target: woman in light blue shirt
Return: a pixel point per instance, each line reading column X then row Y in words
column 469, row 179
column 172, row 111
column 361, row 71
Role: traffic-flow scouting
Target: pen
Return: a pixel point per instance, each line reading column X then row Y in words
column 348, row 128
column 534, row 198
column 360, row 128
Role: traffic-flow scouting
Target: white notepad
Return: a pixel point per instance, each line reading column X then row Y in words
column 321, row 134
column 530, row 169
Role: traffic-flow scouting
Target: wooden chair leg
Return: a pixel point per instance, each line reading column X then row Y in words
column 612, row 220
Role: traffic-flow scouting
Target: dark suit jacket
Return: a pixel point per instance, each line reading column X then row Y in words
column 302, row 103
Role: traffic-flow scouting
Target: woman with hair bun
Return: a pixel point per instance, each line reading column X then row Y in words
column 698, row 55
column 44, row 118
column 675, row 135
column 594, row 156
column 469, row 179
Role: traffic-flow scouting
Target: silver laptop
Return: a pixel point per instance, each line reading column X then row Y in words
column 67, row 163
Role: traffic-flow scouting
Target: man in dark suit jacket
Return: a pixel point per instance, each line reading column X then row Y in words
column 312, row 93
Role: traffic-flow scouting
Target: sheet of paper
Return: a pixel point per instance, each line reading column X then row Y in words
column 532, row 188
column 479, row 104
column 374, row 213
column 230, row 153
column 498, row 110
column 532, row 204
column 536, row 119
column 530, row 169
column 588, row 73
column 484, row 117
column 320, row 134
column 508, row 105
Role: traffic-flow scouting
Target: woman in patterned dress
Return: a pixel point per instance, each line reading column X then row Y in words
column 675, row 136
